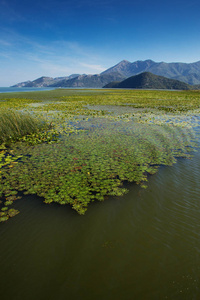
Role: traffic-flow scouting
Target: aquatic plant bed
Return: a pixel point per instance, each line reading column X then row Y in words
column 93, row 141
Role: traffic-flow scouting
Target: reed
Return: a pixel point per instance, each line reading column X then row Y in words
column 15, row 124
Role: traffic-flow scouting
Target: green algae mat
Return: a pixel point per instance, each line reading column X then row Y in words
column 92, row 142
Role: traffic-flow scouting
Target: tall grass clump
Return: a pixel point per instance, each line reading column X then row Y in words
column 15, row 124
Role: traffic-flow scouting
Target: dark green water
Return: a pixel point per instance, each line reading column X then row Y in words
column 144, row 245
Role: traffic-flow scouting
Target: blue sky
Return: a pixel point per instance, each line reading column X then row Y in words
column 58, row 38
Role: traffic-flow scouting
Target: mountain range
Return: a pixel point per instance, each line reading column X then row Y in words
column 44, row 81
column 186, row 72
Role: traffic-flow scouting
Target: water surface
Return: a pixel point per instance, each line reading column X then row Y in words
column 144, row 245
column 23, row 89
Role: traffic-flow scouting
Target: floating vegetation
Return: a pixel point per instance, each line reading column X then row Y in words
column 94, row 163
column 5, row 214
column 94, row 142
column 6, row 158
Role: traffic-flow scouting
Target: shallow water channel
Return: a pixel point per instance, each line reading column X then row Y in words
column 144, row 245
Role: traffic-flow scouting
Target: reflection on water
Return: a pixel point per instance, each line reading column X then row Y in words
column 144, row 245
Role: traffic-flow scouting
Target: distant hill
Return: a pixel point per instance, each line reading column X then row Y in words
column 92, row 81
column 112, row 84
column 127, row 69
column 196, row 87
column 186, row 72
column 43, row 81
column 147, row 80
column 74, row 80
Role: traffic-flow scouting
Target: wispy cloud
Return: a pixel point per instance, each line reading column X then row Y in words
column 5, row 43
column 93, row 67
column 55, row 58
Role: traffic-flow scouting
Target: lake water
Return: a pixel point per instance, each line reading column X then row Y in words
column 23, row 89
column 36, row 89
column 144, row 245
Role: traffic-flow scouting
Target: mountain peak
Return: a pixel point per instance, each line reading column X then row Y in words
column 149, row 61
column 126, row 68
column 121, row 68
column 124, row 61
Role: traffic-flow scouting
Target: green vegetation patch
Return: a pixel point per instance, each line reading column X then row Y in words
column 176, row 100
column 16, row 124
column 95, row 163
column 90, row 142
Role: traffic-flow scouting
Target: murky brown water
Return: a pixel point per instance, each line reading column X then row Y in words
column 145, row 245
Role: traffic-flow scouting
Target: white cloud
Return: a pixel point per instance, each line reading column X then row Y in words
column 97, row 68
column 25, row 59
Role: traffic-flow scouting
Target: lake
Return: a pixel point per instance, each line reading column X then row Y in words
column 23, row 89
column 144, row 245
column 35, row 89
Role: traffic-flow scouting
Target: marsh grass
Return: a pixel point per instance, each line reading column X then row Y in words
column 14, row 125
column 173, row 101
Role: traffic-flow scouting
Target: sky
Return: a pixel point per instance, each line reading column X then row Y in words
column 57, row 38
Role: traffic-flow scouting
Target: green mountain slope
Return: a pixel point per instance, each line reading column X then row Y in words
column 147, row 80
